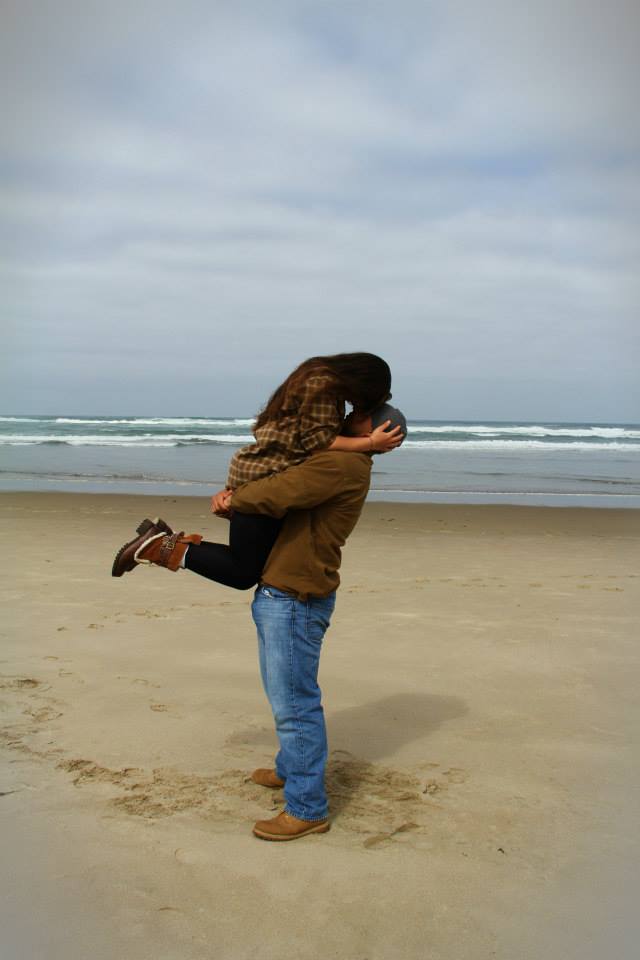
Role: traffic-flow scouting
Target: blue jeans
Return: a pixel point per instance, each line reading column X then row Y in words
column 290, row 635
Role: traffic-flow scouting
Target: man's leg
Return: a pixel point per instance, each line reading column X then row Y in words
column 290, row 635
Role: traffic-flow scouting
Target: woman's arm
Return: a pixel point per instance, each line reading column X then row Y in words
column 379, row 440
column 353, row 444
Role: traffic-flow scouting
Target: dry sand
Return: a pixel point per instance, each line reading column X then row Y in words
column 480, row 683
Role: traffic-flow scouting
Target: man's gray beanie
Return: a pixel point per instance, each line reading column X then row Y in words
column 387, row 412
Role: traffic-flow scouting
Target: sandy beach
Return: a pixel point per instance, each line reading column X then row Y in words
column 480, row 683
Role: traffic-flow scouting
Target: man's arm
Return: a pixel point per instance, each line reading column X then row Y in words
column 302, row 487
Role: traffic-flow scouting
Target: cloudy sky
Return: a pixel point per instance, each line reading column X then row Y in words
column 197, row 195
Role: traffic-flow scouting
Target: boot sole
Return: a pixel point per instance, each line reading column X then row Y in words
column 321, row 828
column 122, row 564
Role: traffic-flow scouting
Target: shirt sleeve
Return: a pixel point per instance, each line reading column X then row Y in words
column 301, row 487
column 320, row 414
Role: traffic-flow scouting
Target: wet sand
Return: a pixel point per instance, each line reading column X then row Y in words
column 480, row 683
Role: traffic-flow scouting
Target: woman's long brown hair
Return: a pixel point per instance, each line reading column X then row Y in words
column 362, row 379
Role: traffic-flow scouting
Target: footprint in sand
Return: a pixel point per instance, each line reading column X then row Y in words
column 452, row 775
column 140, row 680
column 379, row 838
column 432, row 787
column 19, row 683
column 43, row 715
column 87, row 770
column 363, row 793
column 26, row 713
column 165, row 708
column 455, row 775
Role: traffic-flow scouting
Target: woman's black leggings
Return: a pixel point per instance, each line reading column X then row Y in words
column 239, row 565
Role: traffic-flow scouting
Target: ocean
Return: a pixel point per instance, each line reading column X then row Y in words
column 553, row 464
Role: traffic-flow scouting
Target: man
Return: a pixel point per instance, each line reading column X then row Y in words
column 322, row 499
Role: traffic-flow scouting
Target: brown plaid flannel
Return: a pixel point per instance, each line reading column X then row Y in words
column 311, row 420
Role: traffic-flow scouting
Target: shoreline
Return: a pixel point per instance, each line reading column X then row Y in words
column 199, row 504
column 417, row 497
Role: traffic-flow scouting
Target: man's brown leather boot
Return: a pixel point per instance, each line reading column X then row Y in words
column 286, row 827
column 156, row 544
column 267, row 778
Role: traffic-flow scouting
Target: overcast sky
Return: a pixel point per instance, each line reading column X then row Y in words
column 198, row 195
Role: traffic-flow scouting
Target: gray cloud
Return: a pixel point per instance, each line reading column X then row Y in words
column 220, row 192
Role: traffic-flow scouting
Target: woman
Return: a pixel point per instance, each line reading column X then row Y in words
column 305, row 414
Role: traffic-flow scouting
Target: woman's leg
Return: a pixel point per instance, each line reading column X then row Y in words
column 239, row 565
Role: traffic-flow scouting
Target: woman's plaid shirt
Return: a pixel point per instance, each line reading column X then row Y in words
column 311, row 420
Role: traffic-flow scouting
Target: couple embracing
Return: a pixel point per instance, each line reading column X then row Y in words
column 292, row 499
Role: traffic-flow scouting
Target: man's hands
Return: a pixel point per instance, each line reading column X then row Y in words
column 383, row 440
column 221, row 503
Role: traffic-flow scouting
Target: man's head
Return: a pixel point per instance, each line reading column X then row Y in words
column 357, row 425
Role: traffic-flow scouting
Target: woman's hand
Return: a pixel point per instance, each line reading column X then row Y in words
column 221, row 504
column 383, row 440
